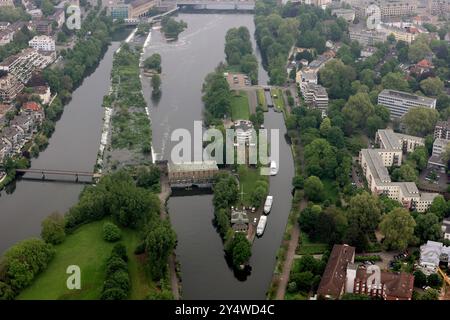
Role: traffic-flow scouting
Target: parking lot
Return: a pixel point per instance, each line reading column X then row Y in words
column 238, row 80
column 434, row 179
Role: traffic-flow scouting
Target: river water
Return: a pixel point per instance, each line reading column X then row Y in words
column 75, row 143
column 185, row 63
column 73, row 146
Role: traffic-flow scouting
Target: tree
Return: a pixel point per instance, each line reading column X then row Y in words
column 171, row 27
column 428, row 227
column 159, row 243
column 420, row 157
column 111, row 232
column 148, row 177
column 434, row 281
column 363, row 216
column 320, row 158
column 153, row 62
column 337, row 78
column 53, row 229
column 239, row 250
column 420, row 121
column 432, row 86
column 420, row 279
column 398, row 229
column 303, row 281
column 395, row 81
column 439, row 207
column 356, row 111
column 430, row 294
column 406, row 172
column 325, row 127
column 156, row 84
column 418, row 50
column 225, row 191
column 313, row 188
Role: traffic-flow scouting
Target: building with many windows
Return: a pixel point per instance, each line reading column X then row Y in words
column 10, row 87
column 442, row 130
column 374, row 163
column 399, row 103
column 43, row 42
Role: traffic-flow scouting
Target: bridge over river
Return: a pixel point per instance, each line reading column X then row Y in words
column 244, row 5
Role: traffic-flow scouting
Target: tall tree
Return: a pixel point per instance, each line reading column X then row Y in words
column 398, row 229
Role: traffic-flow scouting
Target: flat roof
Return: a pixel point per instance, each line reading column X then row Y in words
column 376, row 166
column 406, row 96
column 389, row 138
column 193, row 166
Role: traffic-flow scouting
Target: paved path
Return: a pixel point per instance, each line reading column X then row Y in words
column 290, row 256
column 163, row 196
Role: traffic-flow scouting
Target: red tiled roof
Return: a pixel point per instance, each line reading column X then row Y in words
column 424, row 63
column 32, row 106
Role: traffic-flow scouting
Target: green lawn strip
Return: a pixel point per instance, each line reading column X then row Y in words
column 308, row 247
column 277, row 96
column 248, row 177
column 331, row 191
column 262, row 99
column 86, row 249
column 240, row 106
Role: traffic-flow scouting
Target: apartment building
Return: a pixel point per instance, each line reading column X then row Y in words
column 316, row 96
column 436, row 161
column 140, row 8
column 442, row 130
column 192, row 173
column 347, row 14
column 44, row 27
column 439, row 7
column 367, row 37
column 10, row 87
column 43, row 42
column 399, row 103
column 6, row 36
column 6, row 3
column 396, row 8
column 306, row 76
column 402, row 34
column 374, row 163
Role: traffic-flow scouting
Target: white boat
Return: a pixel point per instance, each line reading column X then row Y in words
column 261, row 225
column 268, row 204
column 273, row 168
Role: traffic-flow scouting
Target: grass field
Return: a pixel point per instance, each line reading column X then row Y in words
column 240, row 106
column 277, row 97
column 261, row 99
column 87, row 249
column 330, row 190
column 307, row 247
column 248, row 178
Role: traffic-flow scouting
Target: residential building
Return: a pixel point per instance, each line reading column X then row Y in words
column 446, row 228
column 347, row 14
column 6, row 3
column 140, row 8
column 44, row 27
column 333, row 281
column 59, row 17
column 4, row 109
column 25, row 122
column 389, row 9
column 392, row 285
column 192, row 173
column 399, row 103
column 439, row 7
column 368, row 51
column 432, row 254
column 10, row 86
column 24, row 63
column 6, row 36
column 442, row 130
column 402, row 34
column 34, row 110
column 43, row 42
column 367, row 37
column 422, row 66
column 5, row 149
column 4, row 25
column 14, row 136
column 35, row 13
column 316, row 96
column 374, row 163
column 436, row 161
column 306, row 76
column 43, row 92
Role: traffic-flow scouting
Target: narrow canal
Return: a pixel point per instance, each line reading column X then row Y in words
column 185, row 63
column 73, row 146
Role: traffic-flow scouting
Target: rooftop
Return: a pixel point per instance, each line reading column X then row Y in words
column 334, row 276
column 389, row 139
column 406, row 96
column 376, row 165
column 193, row 166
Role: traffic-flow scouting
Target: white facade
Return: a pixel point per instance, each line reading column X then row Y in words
column 44, row 43
column 399, row 103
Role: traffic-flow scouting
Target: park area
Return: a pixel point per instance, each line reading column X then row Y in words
column 240, row 106
column 87, row 249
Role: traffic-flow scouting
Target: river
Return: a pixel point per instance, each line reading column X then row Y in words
column 185, row 63
column 73, row 146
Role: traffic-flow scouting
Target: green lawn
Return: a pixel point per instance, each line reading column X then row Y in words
column 330, row 190
column 307, row 247
column 261, row 99
column 240, row 106
column 248, row 178
column 278, row 100
column 86, row 249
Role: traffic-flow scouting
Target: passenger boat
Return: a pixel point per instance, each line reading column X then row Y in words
column 261, row 226
column 268, row 204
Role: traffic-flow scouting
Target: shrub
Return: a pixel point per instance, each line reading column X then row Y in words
column 53, row 229
column 115, row 264
column 121, row 251
column 111, row 232
column 113, row 294
column 117, row 283
column 140, row 249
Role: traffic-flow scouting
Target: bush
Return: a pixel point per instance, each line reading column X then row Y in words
column 53, row 229
column 6, row 292
column 140, row 249
column 111, row 232
column 420, row 279
column 115, row 264
column 113, row 294
column 434, row 281
column 120, row 251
